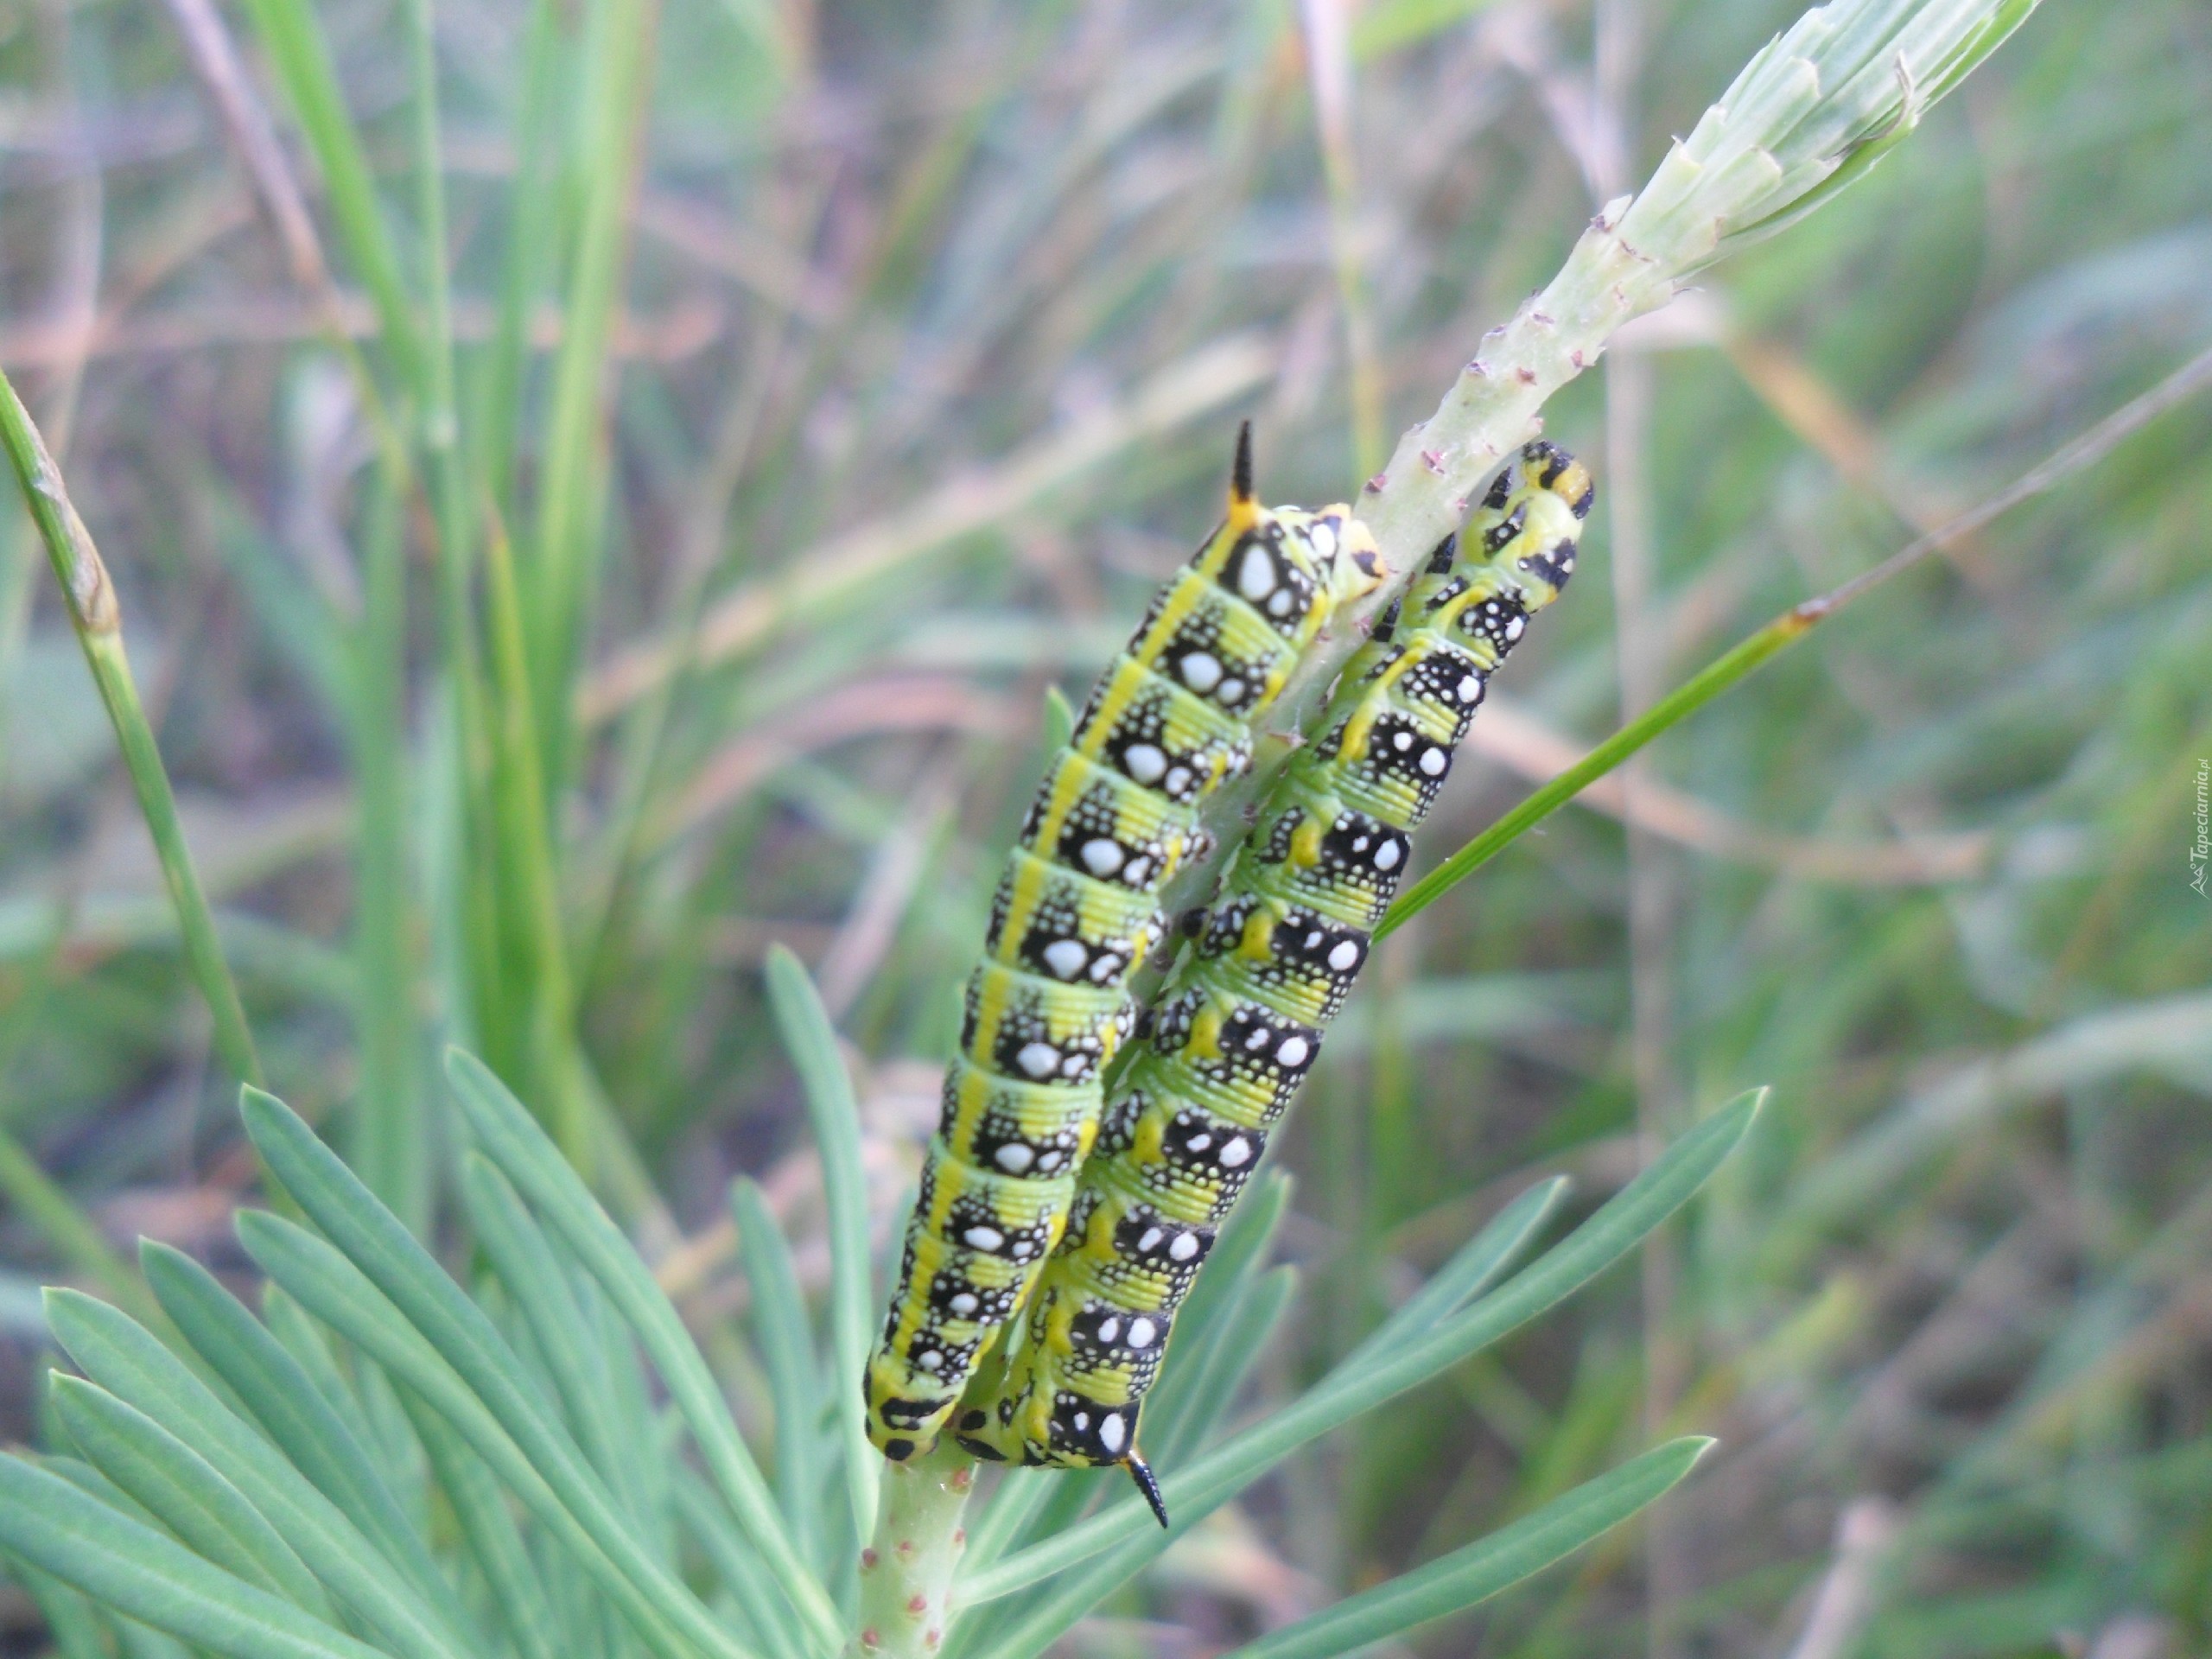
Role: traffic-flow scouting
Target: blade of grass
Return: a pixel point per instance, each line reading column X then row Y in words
column 74, row 1235
column 811, row 1040
column 1734, row 665
column 528, row 860
column 1349, row 1390
column 513, row 1140
column 300, row 53
column 785, row 1341
column 96, row 615
column 1482, row 1569
column 128, row 1566
column 620, row 62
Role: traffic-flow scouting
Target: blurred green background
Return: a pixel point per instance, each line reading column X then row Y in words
column 833, row 379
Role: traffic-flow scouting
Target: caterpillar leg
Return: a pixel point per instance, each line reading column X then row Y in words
column 1148, row 1484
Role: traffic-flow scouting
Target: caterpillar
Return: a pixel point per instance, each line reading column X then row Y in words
column 1075, row 912
column 1236, row 1031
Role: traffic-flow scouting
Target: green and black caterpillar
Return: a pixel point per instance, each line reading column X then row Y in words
column 1076, row 911
column 1234, row 1034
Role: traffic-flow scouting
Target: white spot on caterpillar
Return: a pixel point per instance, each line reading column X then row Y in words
column 1293, row 1052
column 1236, row 1153
column 1102, row 857
column 932, row 1361
column 1201, row 671
column 1232, row 690
column 1185, row 1247
column 1346, row 956
column 1432, row 762
column 1199, row 1142
column 1106, row 965
column 1038, row 1059
column 1470, row 688
column 1514, row 627
column 1148, row 1240
column 1257, row 1041
column 1110, row 1331
column 1256, row 575
column 1142, row 1331
column 984, row 1238
column 963, row 1304
column 1014, row 1157
column 1386, row 856
column 1323, row 537
column 1178, row 780
column 1114, row 1432
column 1083, row 1421
column 1066, row 956
column 1140, row 867
column 1279, row 605
column 1401, row 742
column 1049, row 1159
column 1144, row 762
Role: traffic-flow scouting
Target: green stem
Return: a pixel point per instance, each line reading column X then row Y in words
column 98, row 619
column 1709, row 683
column 906, row 1573
column 1788, row 629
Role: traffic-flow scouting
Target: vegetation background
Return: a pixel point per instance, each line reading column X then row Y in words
column 843, row 376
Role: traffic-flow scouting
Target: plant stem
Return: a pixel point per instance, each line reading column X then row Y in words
column 96, row 617
column 1807, row 114
column 906, row 1574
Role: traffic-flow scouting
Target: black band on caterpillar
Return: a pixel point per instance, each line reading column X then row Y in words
column 1229, row 1041
column 1076, row 912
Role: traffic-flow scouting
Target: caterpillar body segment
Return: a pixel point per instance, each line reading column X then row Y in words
column 1231, row 1039
column 1076, row 910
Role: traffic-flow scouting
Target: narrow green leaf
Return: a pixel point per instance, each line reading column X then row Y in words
column 131, row 1364
column 43, row 1201
column 130, row 1567
column 1059, row 720
column 1473, row 1268
column 96, row 615
column 528, row 1265
column 784, row 1340
column 1482, row 1569
column 811, row 1039
column 558, row 1490
column 295, row 1413
column 702, row 1514
column 1240, row 1340
column 1352, row 1389
column 300, row 53
column 513, row 1140
column 183, row 1491
column 1672, row 709
column 70, row 1619
column 480, row 1509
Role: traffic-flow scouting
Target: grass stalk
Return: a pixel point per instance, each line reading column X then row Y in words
column 96, row 616
column 1735, row 666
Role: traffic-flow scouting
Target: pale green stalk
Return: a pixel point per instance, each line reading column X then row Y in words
column 97, row 618
column 1809, row 114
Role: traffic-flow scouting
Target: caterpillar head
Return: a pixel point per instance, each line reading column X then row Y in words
column 1292, row 565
